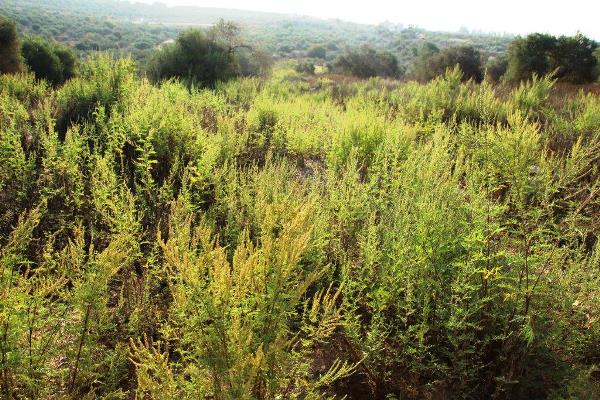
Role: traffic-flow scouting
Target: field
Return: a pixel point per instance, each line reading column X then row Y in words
column 298, row 237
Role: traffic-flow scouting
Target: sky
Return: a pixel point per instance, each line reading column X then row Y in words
column 513, row 16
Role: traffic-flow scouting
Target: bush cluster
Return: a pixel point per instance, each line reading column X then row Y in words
column 258, row 240
column 202, row 59
column 568, row 58
column 366, row 62
column 49, row 61
column 434, row 62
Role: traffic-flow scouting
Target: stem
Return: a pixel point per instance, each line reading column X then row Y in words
column 81, row 340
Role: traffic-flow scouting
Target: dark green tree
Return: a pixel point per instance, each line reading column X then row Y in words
column 196, row 58
column 10, row 58
column 433, row 63
column 573, row 59
column 367, row 62
column 41, row 60
column 496, row 68
column 49, row 61
column 569, row 58
column 68, row 61
column 530, row 55
column 317, row 51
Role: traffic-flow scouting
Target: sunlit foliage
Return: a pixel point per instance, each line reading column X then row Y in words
column 293, row 237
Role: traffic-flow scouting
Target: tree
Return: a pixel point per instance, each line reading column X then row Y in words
column 227, row 34
column 574, row 60
column 496, row 68
column 68, row 59
column 569, row 58
column 195, row 59
column 49, row 61
column 41, row 60
column 203, row 59
column 10, row 57
column 433, row 62
column 367, row 62
column 317, row 52
column 530, row 55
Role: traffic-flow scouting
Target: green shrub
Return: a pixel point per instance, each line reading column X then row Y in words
column 102, row 82
column 434, row 63
column 49, row 61
column 366, row 62
column 273, row 239
column 10, row 57
column 568, row 58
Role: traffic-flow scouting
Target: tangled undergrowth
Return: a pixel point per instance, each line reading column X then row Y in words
column 270, row 239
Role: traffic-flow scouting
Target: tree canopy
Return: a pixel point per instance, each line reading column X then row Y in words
column 433, row 62
column 10, row 58
column 569, row 58
column 49, row 61
column 366, row 62
column 203, row 59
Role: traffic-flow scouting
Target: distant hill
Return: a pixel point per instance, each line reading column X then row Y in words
column 151, row 13
column 137, row 28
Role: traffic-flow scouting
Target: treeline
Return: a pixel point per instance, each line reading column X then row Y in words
column 389, row 50
column 197, row 57
column 47, row 60
column 135, row 29
column 204, row 57
column 571, row 59
column 83, row 26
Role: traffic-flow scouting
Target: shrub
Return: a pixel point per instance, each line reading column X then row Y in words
column 49, row 61
column 496, row 68
column 367, row 239
column 103, row 82
column 305, row 67
column 569, row 58
column 203, row 59
column 194, row 59
column 433, row 63
column 367, row 62
column 10, row 56
column 317, row 52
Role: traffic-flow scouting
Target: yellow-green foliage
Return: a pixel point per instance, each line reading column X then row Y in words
column 300, row 238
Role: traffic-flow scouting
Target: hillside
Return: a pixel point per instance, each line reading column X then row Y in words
column 135, row 28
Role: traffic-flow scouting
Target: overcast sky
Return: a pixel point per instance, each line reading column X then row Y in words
column 515, row 16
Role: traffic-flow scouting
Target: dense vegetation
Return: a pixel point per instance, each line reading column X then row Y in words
column 10, row 54
column 297, row 237
column 366, row 62
column 49, row 61
column 203, row 59
column 363, row 221
column 568, row 58
column 433, row 62
column 137, row 29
